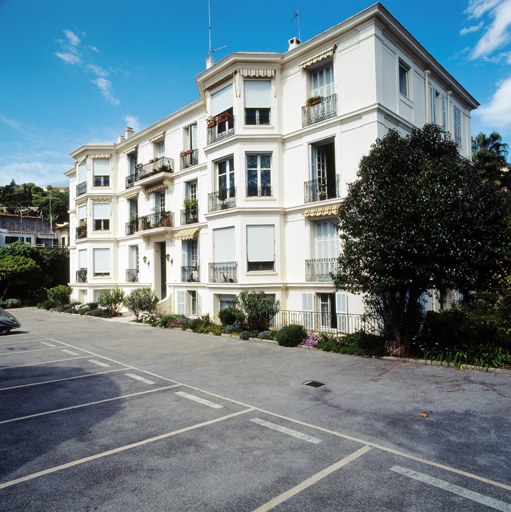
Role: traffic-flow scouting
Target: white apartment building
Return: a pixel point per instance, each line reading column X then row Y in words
column 262, row 167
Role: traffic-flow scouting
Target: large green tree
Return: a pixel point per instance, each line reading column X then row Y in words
column 418, row 218
column 489, row 156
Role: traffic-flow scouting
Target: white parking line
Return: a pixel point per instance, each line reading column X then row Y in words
column 312, row 480
column 99, row 363
column 199, row 400
column 47, row 344
column 39, row 363
column 70, row 352
column 460, row 491
column 137, row 377
column 288, row 431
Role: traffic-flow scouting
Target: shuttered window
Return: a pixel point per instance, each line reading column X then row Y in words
column 82, row 258
column 261, row 247
column 224, row 250
column 221, row 100
column 101, row 262
column 101, row 214
column 82, row 173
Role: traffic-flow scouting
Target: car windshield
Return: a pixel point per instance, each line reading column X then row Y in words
column 4, row 315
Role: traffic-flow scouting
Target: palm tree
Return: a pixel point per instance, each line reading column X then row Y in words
column 489, row 156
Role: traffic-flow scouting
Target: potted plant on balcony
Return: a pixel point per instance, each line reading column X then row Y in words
column 165, row 218
column 222, row 197
column 222, row 118
column 322, row 191
column 211, row 122
column 314, row 100
column 190, row 206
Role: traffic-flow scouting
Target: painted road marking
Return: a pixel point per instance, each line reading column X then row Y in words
column 70, row 352
column 119, row 450
column 99, row 363
column 285, row 430
column 455, row 489
column 312, row 480
column 41, row 362
column 133, row 376
column 199, row 400
column 48, row 344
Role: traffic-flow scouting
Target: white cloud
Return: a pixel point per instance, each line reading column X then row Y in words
column 497, row 112
column 476, row 8
column 474, row 28
column 98, row 70
column 11, row 123
column 498, row 34
column 106, row 88
column 70, row 58
column 132, row 121
column 72, row 38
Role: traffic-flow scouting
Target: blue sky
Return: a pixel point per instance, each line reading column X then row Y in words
column 78, row 71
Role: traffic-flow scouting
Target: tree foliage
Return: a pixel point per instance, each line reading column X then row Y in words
column 141, row 299
column 256, row 309
column 418, row 218
column 19, row 270
column 489, row 157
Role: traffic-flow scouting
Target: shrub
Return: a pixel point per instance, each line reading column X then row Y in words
column 111, row 300
column 141, row 299
column 228, row 316
column 229, row 329
column 504, row 311
column 291, row 335
column 264, row 335
column 11, row 303
column 244, row 335
column 99, row 312
column 311, row 340
column 47, row 304
column 60, row 294
column 257, row 309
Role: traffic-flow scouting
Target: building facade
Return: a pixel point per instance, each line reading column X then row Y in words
column 240, row 189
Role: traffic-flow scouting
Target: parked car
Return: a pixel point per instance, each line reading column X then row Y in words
column 7, row 322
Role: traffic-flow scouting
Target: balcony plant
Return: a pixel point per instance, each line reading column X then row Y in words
column 165, row 218
column 222, row 197
column 314, row 100
column 211, row 121
column 222, row 118
column 322, row 191
column 190, row 204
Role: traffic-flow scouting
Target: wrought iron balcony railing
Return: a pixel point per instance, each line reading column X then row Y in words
column 190, row 215
column 81, row 188
column 259, row 191
column 323, row 110
column 81, row 275
column 190, row 158
column 319, row 270
column 130, row 180
column 131, row 226
column 222, row 200
column 220, row 128
column 155, row 220
column 81, row 231
column 223, row 272
column 316, row 190
column 190, row 274
column 162, row 164
column 132, row 275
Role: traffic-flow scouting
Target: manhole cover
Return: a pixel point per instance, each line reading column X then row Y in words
column 314, row 383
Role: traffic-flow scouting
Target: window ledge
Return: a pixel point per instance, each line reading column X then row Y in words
column 262, row 273
column 260, row 198
column 259, row 126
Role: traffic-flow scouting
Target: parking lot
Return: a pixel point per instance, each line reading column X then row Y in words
column 98, row 415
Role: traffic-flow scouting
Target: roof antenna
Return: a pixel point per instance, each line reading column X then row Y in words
column 210, row 61
column 297, row 15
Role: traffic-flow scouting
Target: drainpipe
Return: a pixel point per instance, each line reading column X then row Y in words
column 426, row 85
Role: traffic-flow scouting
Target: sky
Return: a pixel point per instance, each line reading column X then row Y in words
column 79, row 71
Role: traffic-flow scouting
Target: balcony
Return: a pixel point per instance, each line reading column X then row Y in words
column 130, row 180
column 320, row 190
column 319, row 270
column 152, row 172
column 190, row 274
column 189, row 158
column 222, row 200
column 223, row 272
column 131, row 226
column 264, row 191
column 154, row 221
column 81, row 188
column 81, row 231
column 190, row 216
column 317, row 112
column 81, row 275
column 132, row 275
column 220, row 127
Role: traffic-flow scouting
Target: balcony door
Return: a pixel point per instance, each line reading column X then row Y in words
column 322, row 169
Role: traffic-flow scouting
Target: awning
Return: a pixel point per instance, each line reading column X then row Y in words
column 155, row 188
column 319, row 57
column 158, row 137
column 132, row 196
column 101, row 156
column 187, row 234
column 130, row 150
column 321, row 212
column 260, row 73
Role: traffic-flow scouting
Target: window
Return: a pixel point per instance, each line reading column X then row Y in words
column 82, row 214
column 193, row 302
column 191, row 137
column 257, row 101
column 323, row 82
column 327, row 240
column 260, row 247
column 82, row 173
column 133, row 209
column 403, row 79
column 101, row 171
column 190, row 260
column 226, row 177
column 324, row 181
column 160, row 149
column 226, row 301
column 101, row 214
column 132, row 162
column 258, row 175
column 438, row 108
column 457, row 127
column 101, row 262
column 224, row 245
column 191, row 190
column 221, row 108
column 159, row 201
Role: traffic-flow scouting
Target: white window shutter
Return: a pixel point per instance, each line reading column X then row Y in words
column 257, row 93
column 82, row 172
column 101, row 211
column 341, row 311
column 308, row 310
column 101, row 167
column 224, row 244
column 82, row 258
column 221, row 100
column 193, row 136
column 101, row 261
column 260, row 243
column 181, row 304
column 82, row 213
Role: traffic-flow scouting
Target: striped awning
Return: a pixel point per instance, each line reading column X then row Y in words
column 155, row 188
column 258, row 73
column 187, row 234
column 321, row 212
column 105, row 155
column 319, row 57
column 130, row 150
column 158, row 137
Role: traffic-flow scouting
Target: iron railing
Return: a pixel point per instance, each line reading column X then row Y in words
column 155, row 220
column 190, row 274
column 324, row 110
column 81, row 231
column 131, row 179
column 259, row 191
column 162, row 164
column 341, row 323
column 190, row 158
column 316, row 190
column 320, row 270
column 215, row 204
column 220, row 129
column 81, row 188
column 132, row 275
column 226, row 272
column 190, row 215
column 131, row 226
column 81, row 275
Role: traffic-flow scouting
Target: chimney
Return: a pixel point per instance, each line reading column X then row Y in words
column 128, row 132
column 294, row 42
column 209, row 62
column 120, row 139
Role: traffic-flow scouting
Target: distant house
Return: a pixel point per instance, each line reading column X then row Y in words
column 27, row 229
column 56, row 188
